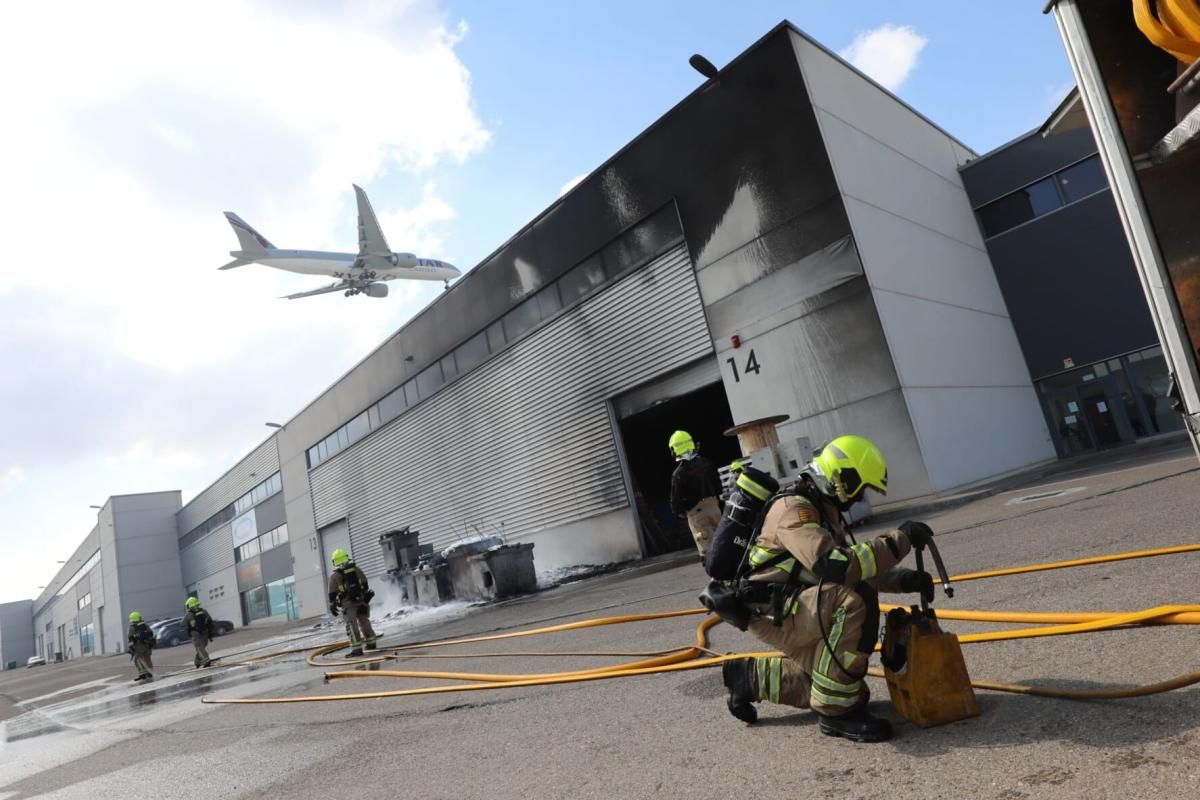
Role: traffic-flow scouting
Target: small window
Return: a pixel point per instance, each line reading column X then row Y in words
column 521, row 319
column 373, row 416
column 276, row 483
column 392, row 406
column 1019, row 207
column 548, row 302
column 495, row 337
column 281, row 534
column 472, row 352
column 357, row 428
column 323, row 449
column 343, row 438
column 411, row 395
column 429, row 380
column 1083, row 179
column 249, row 550
column 314, row 458
column 449, row 367
column 581, row 280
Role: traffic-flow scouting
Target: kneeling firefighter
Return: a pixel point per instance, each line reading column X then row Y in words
column 805, row 587
column 350, row 594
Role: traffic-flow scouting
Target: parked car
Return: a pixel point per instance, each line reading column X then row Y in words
column 35, row 661
column 170, row 632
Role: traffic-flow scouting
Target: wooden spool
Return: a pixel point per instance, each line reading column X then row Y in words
column 757, row 433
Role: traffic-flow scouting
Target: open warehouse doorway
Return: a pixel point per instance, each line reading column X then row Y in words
column 646, row 418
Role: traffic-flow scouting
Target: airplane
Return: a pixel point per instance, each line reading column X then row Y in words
column 357, row 273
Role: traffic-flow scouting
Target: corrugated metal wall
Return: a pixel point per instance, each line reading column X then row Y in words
column 524, row 442
column 211, row 554
column 263, row 461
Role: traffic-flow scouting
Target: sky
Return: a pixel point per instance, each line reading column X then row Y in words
column 130, row 364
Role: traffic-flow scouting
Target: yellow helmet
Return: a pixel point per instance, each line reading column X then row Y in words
column 847, row 465
column 192, row 602
column 339, row 557
column 135, row 616
column 681, row 443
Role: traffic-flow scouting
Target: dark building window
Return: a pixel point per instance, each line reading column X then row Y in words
column 430, row 380
column 1018, row 207
column 1073, row 183
column 1083, row 179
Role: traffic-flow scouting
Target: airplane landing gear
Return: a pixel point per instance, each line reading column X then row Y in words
column 446, row 288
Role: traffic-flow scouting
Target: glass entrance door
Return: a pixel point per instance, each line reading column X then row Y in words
column 1105, row 417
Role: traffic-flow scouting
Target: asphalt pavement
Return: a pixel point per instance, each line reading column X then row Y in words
column 670, row 735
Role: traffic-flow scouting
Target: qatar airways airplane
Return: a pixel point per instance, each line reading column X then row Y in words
column 363, row 272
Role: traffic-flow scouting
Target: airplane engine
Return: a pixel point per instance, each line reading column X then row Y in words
column 375, row 290
column 403, row 260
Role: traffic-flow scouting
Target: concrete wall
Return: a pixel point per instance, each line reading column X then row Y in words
column 16, row 633
column 218, row 594
column 147, row 551
column 962, row 374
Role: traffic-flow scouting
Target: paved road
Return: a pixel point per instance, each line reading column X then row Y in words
column 670, row 735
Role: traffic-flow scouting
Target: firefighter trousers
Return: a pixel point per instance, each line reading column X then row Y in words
column 141, row 659
column 808, row 675
column 703, row 519
column 200, row 642
column 358, row 624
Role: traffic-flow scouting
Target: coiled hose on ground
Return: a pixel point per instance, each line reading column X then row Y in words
column 699, row 656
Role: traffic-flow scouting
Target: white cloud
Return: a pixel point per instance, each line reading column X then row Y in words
column 11, row 478
column 571, row 184
column 888, row 54
column 136, row 365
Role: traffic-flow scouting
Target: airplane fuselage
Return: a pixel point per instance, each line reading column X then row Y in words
column 342, row 265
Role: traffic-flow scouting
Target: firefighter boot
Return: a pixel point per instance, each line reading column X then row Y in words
column 741, row 692
column 355, row 653
column 858, row 726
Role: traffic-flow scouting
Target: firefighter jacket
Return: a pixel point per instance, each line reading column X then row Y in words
column 347, row 583
column 797, row 535
column 693, row 480
column 140, row 635
column 197, row 620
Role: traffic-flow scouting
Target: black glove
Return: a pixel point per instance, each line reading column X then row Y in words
column 914, row 581
column 369, row 595
column 333, row 610
column 919, row 534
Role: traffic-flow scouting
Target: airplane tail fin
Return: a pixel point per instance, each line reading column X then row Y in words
column 251, row 240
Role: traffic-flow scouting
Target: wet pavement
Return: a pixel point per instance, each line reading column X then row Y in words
column 670, row 735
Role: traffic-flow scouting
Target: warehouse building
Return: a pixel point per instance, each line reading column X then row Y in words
column 128, row 562
column 16, row 633
column 791, row 239
column 1059, row 251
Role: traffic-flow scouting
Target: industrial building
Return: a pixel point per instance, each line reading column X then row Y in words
column 128, row 562
column 16, row 633
column 790, row 239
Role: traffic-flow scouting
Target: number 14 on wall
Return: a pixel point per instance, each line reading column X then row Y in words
column 751, row 367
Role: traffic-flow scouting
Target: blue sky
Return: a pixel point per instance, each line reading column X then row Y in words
column 132, row 364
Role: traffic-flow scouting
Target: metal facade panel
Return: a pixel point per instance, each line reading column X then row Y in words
column 211, row 554
column 263, row 462
column 525, row 442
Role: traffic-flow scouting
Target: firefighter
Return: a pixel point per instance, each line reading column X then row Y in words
column 350, row 594
column 823, row 606
column 695, row 486
column 141, row 642
column 199, row 625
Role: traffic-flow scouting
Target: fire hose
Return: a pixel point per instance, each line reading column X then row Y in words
column 699, row 656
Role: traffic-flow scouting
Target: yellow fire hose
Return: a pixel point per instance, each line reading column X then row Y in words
column 688, row 658
column 1172, row 25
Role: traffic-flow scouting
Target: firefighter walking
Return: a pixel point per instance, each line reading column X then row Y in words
column 695, row 486
column 350, row 594
column 141, row 642
column 199, row 625
column 823, row 611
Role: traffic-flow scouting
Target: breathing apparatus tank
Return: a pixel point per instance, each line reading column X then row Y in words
column 752, row 490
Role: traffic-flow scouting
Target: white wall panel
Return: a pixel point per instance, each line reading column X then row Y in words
column 969, row 434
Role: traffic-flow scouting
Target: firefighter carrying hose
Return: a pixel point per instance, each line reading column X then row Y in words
column 695, row 486
column 141, row 642
column 199, row 625
column 811, row 592
column 350, row 594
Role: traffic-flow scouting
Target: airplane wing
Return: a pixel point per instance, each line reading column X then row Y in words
column 340, row 286
column 370, row 235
